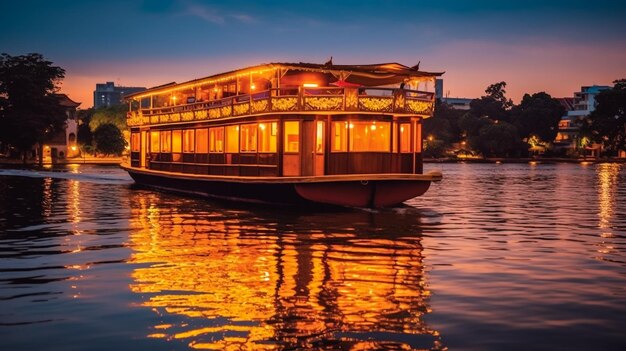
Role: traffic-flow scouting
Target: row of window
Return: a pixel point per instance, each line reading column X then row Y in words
column 357, row 136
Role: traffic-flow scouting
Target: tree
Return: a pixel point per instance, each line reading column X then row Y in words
column 109, row 139
column 494, row 105
column 496, row 139
column 444, row 124
column 538, row 114
column 607, row 123
column 30, row 112
column 109, row 115
column 85, row 135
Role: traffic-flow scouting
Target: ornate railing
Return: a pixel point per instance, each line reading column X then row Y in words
column 326, row 99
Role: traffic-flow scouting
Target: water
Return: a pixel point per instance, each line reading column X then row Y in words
column 495, row 257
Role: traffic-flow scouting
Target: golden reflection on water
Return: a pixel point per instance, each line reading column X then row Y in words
column 241, row 285
column 608, row 174
column 608, row 180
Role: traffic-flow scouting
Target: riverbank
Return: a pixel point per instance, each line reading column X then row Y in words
column 526, row 160
column 69, row 161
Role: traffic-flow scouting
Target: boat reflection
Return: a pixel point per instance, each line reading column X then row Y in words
column 240, row 280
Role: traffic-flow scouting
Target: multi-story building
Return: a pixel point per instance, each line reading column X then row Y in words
column 108, row 94
column 578, row 107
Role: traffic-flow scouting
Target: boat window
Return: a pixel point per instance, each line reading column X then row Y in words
column 202, row 141
column 177, row 142
column 232, row 139
column 319, row 137
column 248, row 137
column 369, row 136
column 135, row 145
column 188, row 140
column 292, row 136
column 339, row 140
column 418, row 137
column 154, row 141
column 166, row 141
column 405, row 137
column 216, row 139
column 267, row 136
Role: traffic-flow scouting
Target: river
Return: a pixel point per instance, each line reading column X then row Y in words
column 494, row 257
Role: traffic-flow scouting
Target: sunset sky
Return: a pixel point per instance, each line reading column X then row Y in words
column 534, row 45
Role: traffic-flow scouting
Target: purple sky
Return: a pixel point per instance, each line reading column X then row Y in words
column 552, row 46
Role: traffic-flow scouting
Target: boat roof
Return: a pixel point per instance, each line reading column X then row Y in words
column 366, row 75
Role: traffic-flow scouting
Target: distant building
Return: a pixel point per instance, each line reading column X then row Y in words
column 438, row 88
column 577, row 107
column 108, row 94
column 63, row 144
column 458, row 103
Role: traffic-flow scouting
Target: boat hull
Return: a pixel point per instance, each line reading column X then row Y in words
column 374, row 190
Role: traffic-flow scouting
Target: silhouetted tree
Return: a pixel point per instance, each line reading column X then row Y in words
column 494, row 105
column 109, row 115
column 109, row 139
column 29, row 109
column 497, row 139
column 607, row 123
column 85, row 135
column 538, row 114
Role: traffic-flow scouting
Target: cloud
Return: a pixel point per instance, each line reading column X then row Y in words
column 214, row 15
column 205, row 13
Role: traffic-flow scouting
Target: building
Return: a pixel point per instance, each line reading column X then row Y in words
column 63, row 144
column 108, row 94
column 458, row 103
column 577, row 108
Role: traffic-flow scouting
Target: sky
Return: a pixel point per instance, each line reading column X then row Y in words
column 532, row 45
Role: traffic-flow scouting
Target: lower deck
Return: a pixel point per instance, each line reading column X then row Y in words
column 283, row 146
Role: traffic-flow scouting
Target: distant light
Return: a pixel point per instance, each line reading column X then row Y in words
column 73, row 147
column 262, row 126
column 252, row 86
column 310, row 85
column 373, row 127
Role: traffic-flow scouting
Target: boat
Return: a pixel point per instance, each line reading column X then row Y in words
column 287, row 133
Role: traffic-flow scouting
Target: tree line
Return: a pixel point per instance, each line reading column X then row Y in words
column 31, row 113
column 495, row 127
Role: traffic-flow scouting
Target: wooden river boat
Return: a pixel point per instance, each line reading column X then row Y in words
column 288, row 133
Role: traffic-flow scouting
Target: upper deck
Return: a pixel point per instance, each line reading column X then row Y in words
column 288, row 88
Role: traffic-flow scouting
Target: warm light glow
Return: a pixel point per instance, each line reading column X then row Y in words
column 310, row 85
column 235, row 289
column 73, row 147
column 262, row 126
column 430, row 138
column 252, row 86
column 257, row 70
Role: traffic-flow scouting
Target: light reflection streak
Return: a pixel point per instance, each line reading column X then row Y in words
column 608, row 179
column 232, row 285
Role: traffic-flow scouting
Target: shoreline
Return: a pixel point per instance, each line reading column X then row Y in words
column 494, row 160
column 77, row 160
column 537, row 160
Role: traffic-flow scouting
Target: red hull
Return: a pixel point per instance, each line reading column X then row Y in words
column 376, row 193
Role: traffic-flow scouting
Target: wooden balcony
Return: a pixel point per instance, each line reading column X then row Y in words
column 322, row 100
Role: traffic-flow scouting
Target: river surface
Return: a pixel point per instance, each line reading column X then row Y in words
column 494, row 257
